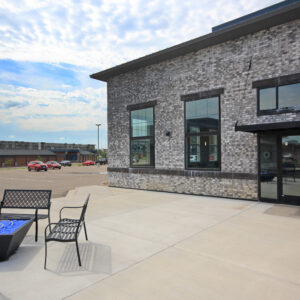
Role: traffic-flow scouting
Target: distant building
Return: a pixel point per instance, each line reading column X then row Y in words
column 15, row 153
column 218, row 115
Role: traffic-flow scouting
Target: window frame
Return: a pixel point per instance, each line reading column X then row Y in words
column 132, row 108
column 266, row 111
column 276, row 110
column 218, row 133
column 274, row 82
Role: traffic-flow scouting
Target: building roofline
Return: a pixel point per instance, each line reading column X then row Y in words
column 16, row 152
column 269, row 19
column 254, row 14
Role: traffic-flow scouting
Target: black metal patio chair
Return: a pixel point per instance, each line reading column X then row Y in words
column 66, row 230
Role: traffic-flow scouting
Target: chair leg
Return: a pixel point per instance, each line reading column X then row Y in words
column 78, row 254
column 36, row 225
column 85, row 231
column 36, row 230
column 49, row 222
column 45, row 254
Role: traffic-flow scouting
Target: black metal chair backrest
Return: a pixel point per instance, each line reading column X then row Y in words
column 26, row 199
column 84, row 208
column 82, row 215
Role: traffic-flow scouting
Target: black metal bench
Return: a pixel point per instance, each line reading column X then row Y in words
column 66, row 229
column 27, row 199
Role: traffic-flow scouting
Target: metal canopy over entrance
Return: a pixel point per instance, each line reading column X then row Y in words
column 256, row 128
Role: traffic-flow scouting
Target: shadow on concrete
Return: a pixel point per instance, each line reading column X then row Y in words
column 95, row 258
column 23, row 256
column 3, row 297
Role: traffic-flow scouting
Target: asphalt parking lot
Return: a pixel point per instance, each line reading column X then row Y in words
column 59, row 181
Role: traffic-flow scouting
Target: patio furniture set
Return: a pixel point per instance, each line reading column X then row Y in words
column 14, row 227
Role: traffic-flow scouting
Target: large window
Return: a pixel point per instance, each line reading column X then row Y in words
column 142, row 137
column 279, row 99
column 202, row 133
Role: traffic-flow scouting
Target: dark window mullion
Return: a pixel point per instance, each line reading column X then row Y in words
column 277, row 100
column 258, row 99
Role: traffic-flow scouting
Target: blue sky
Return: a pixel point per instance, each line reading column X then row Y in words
column 49, row 48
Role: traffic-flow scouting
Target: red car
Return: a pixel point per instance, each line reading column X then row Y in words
column 53, row 165
column 37, row 166
column 88, row 163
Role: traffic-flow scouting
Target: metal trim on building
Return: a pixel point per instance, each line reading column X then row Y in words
column 187, row 173
column 141, row 105
column 202, row 95
column 254, row 128
column 277, row 81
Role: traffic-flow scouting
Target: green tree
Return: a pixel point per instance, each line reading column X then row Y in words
column 102, row 153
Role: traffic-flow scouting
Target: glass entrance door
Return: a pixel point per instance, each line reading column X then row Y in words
column 279, row 168
column 268, row 167
column 290, row 165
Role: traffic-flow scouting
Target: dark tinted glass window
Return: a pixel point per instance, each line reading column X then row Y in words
column 142, row 122
column 202, row 115
column 279, row 98
column 289, row 96
column 267, row 98
column 142, row 151
column 142, row 137
column 202, row 152
column 202, row 133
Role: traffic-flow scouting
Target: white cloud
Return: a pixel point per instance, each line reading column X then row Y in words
column 52, row 111
column 66, row 86
column 95, row 35
column 101, row 34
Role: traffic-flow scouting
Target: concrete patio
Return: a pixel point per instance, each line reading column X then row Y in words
column 151, row 245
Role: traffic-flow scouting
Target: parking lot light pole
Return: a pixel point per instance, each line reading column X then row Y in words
column 98, row 125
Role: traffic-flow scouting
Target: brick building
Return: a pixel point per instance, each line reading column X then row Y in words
column 218, row 115
column 18, row 153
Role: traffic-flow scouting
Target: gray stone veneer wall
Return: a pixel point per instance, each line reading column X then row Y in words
column 274, row 52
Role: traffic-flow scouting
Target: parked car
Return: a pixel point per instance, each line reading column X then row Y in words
column 101, row 161
column 88, row 163
column 66, row 163
column 37, row 166
column 53, row 164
